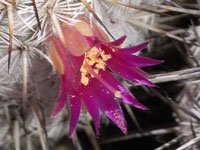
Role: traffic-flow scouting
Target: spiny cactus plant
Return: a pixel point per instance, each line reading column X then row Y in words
column 29, row 82
column 57, row 52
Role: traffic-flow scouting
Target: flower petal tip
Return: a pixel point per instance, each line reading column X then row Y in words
column 53, row 114
column 55, row 111
column 70, row 135
column 97, row 135
column 157, row 86
column 145, row 108
column 71, row 131
column 161, row 61
column 142, row 107
column 119, row 41
column 147, row 43
column 97, row 131
column 149, row 83
column 125, row 131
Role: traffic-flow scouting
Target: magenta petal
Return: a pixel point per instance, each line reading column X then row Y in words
column 130, row 99
column 91, row 102
column 127, row 97
column 133, row 49
column 141, row 72
column 68, row 66
column 75, row 106
column 113, row 111
column 136, row 60
column 62, row 98
column 77, row 62
column 127, row 72
column 110, row 106
column 119, row 41
column 67, row 80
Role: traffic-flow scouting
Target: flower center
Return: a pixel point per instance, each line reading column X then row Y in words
column 96, row 59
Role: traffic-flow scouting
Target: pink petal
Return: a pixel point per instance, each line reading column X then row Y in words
column 110, row 106
column 136, row 60
column 134, row 49
column 127, row 72
column 62, row 98
column 77, row 62
column 119, row 41
column 69, row 73
column 141, row 72
column 75, row 106
column 76, row 65
column 68, row 80
column 91, row 102
column 127, row 97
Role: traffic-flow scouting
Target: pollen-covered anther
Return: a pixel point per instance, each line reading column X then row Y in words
column 84, row 78
column 104, row 56
column 113, row 50
column 96, row 59
column 100, row 64
column 118, row 94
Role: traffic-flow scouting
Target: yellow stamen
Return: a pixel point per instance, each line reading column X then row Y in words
column 91, row 62
column 118, row 94
column 104, row 56
column 96, row 59
column 84, row 70
column 84, row 79
column 100, row 66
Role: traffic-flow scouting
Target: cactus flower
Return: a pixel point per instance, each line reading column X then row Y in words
column 86, row 63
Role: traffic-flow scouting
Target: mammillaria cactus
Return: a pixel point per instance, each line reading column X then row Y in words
column 63, row 58
column 28, row 78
